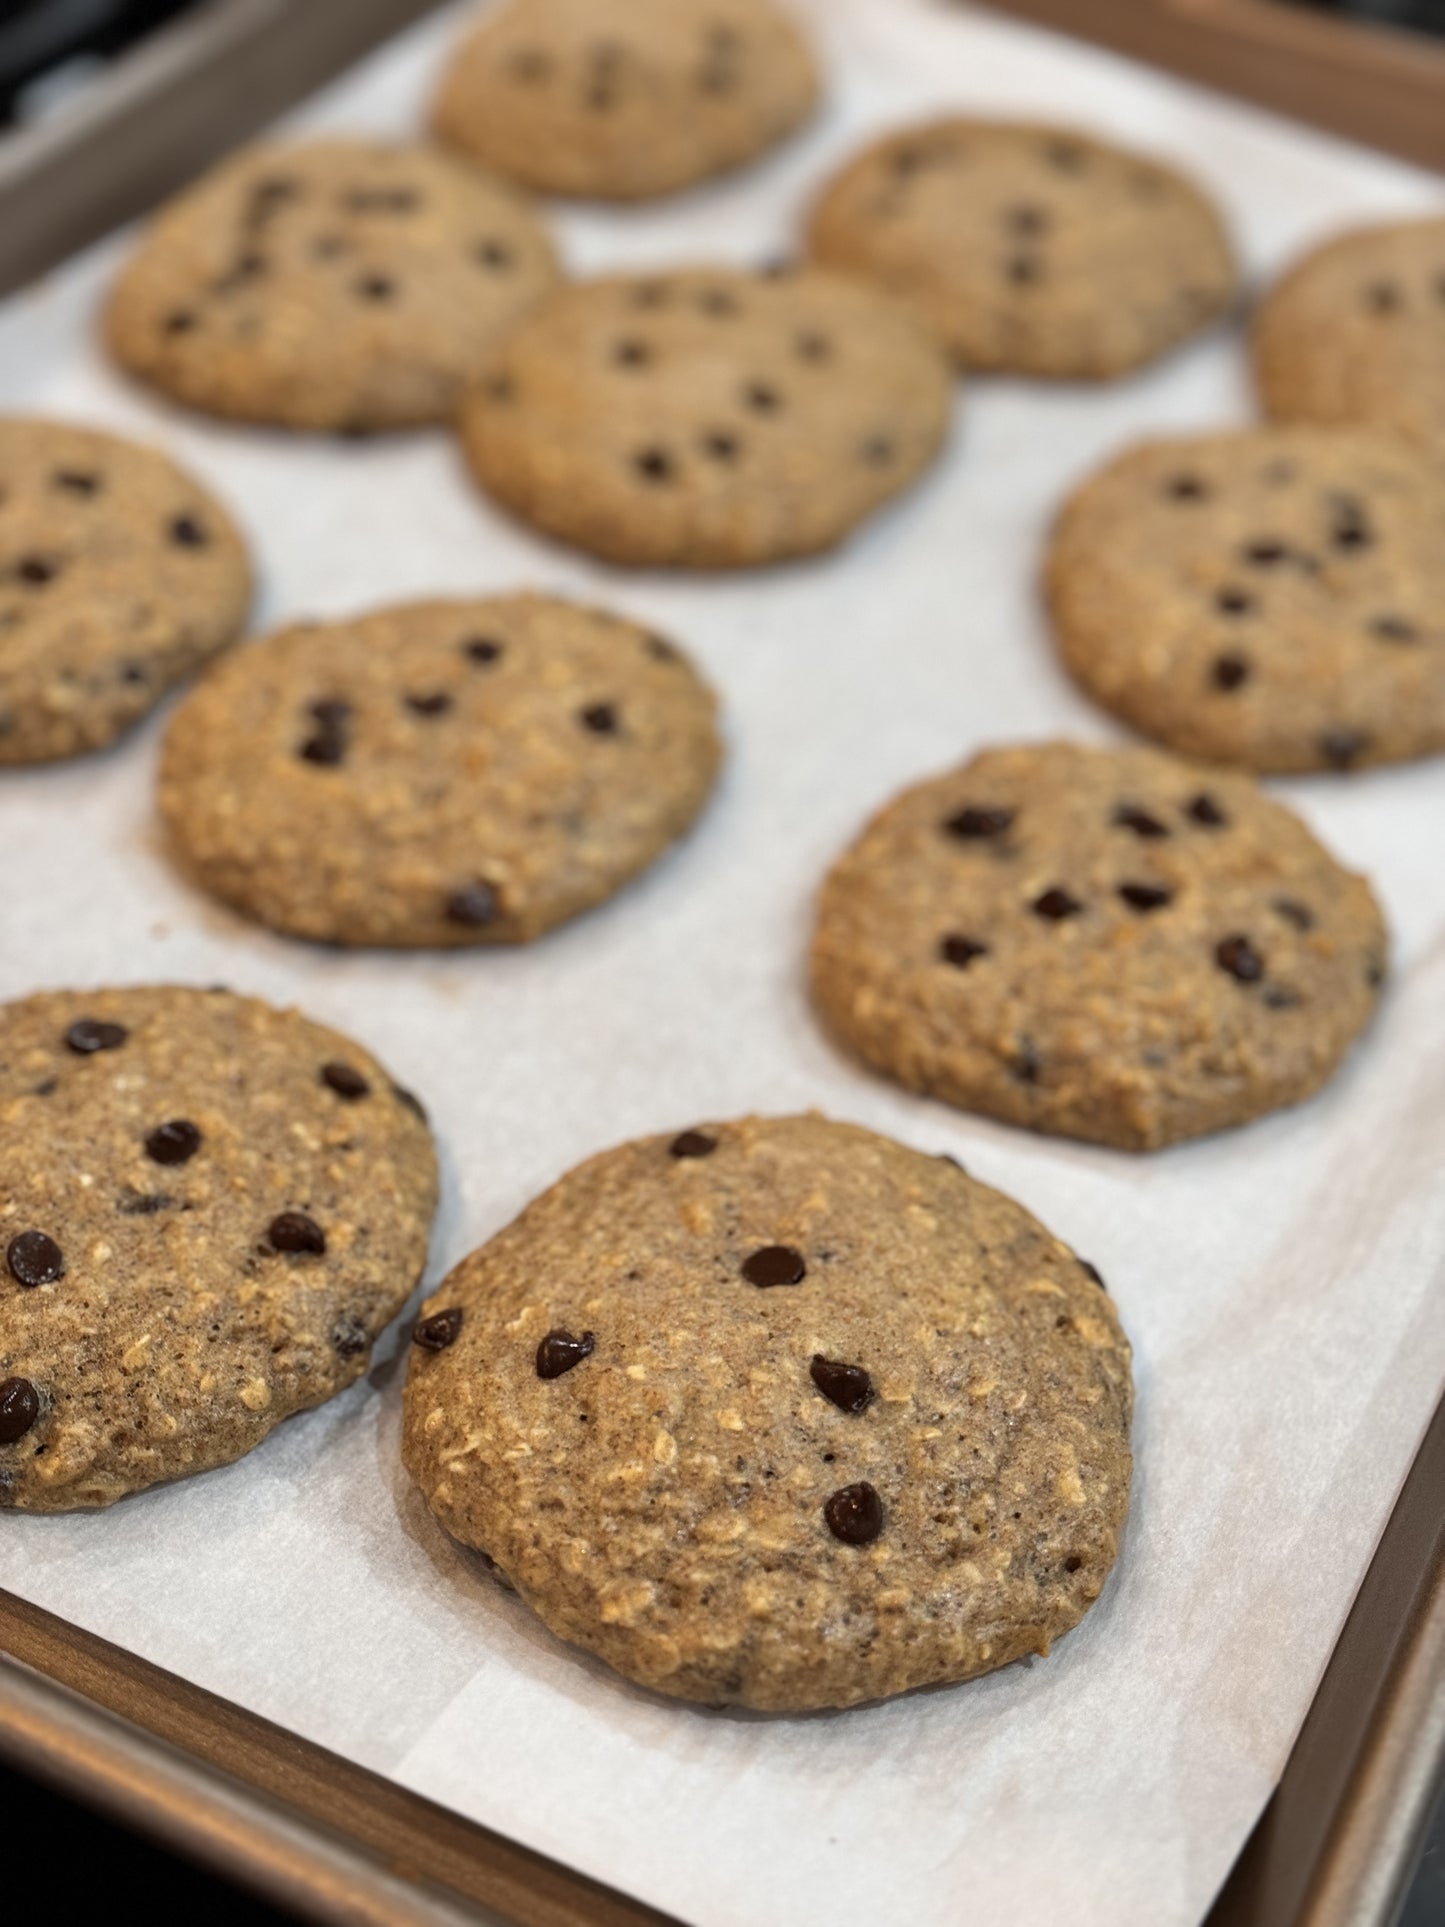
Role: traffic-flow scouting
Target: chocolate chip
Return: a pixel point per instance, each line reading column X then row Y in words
column 1342, row 747
column 654, row 464
column 326, row 247
column 1023, row 270
column 1239, row 957
column 179, row 322
column 878, row 451
column 1350, row 528
column 329, row 742
column 349, row 1336
column 660, row 648
column 383, row 200
column 721, row 446
column 435, row 703
column 1229, row 672
column 143, row 1204
column 855, row 1514
column 475, row 907
column 176, row 1142
column 1130, row 817
column 1067, row 156
column 1374, row 973
column 632, row 353
column 1025, row 1062
column 717, row 79
column 410, row 1099
column 1145, row 896
column 717, row 302
column 1186, row 488
column 76, row 481
column 19, row 1409
column 1234, row 602
column 495, row 255
column 1394, row 629
column 481, row 649
column 269, row 194
column 1204, row 810
column 559, row 1352
column 1265, row 554
column 1281, row 997
column 762, row 398
column 774, row 1265
column 87, row 1035
column 1055, row 905
column 36, row 570
column 650, row 294
column 1093, row 1271
column 529, row 64
column 600, row 718
column 961, row 951
column 1073, row 1563
column 35, row 1259
column 188, row 533
column 375, row 287
column 811, row 346
column 345, row 1081
column 293, row 1231
column 979, row 821
column 849, row 1387
column 1293, row 912
column 1027, row 217
column 692, row 1144
column 1382, row 297
column 439, row 1331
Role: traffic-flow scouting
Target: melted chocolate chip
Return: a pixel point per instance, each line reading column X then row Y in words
column 374, row 287
column 961, row 951
column 1067, row 156
column 328, row 743
column 35, row 1259
column 1281, row 997
column 1026, row 218
column 654, row 464
column 90, row 1034
column 1055, row 905
column 1234, row 602
column 345, row 1081
column 774, row 1265
column 529, row 64
column 433, row 703
column 1382, row 297
column 717, row 302
column 76, row 481
column 1264, row 555
column 37, row 570
column 1238, row 956
column 1203, row 809
column 975, row 821
column 1145, row 896
column 411, row 1101
column 179, row 322
column 1294, row 912
column 721, row 446
column 1394, row 629
column 632, row 353
column 660, row 648
column 1229, row 672
column 19, row 1409
column 174, row 1143
column 1129, row 816
column 600, row 718
column 439, row 1331
column 294, row 1232
column 474, row 907
column 849, row 1387
column 559, row 1352
column 811, row 346
column 1025, row 1062
column 855, row 1514
column 1093, row 1271
column 481, row 649
column 762, row 398
column 878, row 451
column 1350, row 528
column 1342, row 747
column 495, row 255
column 349, row 1336
column 692, row 1144
column 188, row 533
column 1186, row 488
column 1023, row 270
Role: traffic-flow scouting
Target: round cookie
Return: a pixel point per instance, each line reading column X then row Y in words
column 624, row 99
column 119, row 574
column 439, row 772
column 707, row 418
column 1030, row 250
column 342, row 284
column 211, row 1209
column 1355, row 332
column 1273, row 597
column 779, row 1413
column 1103, row 944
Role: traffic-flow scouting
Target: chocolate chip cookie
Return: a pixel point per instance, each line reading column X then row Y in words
column 119, row 574
column 1103, row 944
column 210, row 1210
column 342, row 284
column 1355, row 332
column 778, row 1413
column 440, row 772
column 708, row 418
column 1273, row 597
column 1030, row 250
column 625, row 99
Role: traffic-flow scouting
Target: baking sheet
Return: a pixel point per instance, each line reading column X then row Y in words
column 1281, row 1283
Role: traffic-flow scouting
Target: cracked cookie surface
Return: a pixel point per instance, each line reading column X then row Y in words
column 211, row 1209
column 779, row 1413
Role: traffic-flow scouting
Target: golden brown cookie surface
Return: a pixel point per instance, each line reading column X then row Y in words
column 1273, row 597
column 625, row 99
column 779, row 1413
column 707, row 418
column 119, row 574
column 1104, row 944
column 210, row 1210
column 1028, row 249
column 339, row 284
column 439, row 773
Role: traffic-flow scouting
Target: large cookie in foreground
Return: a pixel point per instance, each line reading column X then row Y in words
column 119, row 574
column 1355, row 332
column 1030, row 250
column 1104, row 944
column 778, row 1413
column 624, row 99
column 210, row 1210
column 1271, row 596
column 339, row 284
column 438, row 772
column 707, row 418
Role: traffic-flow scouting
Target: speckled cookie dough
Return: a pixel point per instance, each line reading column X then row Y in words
column 342, row 284
column 210, row 1210
column 1273, row 597
column 1355, row 332
column 625, row 99
column 1030, row 250
column 707, row 418
column 1103, row 944
column 119, row 575
column 778, row 1413
column 438, row 773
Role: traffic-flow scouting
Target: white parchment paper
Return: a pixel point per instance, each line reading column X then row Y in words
column 1281, row 1283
